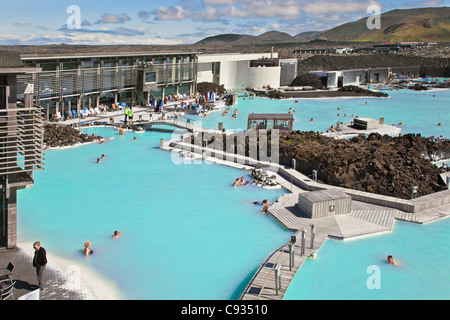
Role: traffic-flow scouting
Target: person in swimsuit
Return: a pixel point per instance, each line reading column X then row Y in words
column 87, row 248
column 117, row 234
column 236, row 183
column 243, row 182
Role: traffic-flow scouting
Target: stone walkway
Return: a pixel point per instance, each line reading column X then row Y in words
column 59, row 283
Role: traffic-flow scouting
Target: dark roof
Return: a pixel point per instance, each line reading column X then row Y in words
column 10, row 60
column 270, row 116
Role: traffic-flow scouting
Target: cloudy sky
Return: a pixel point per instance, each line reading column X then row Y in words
column 175, row 21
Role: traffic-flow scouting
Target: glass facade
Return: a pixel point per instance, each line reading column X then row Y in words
column 70, row 77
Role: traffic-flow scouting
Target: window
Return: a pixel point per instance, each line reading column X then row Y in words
column 150, row 77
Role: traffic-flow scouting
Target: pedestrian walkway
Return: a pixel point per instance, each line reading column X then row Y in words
column 59, row 283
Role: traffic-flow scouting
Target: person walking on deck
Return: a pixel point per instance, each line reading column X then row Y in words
column 125, row 112
column 39, row 262
column 130, row 115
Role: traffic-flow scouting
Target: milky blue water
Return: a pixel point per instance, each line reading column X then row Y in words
column 341, row 270
column 419, row 112
column 188, row 235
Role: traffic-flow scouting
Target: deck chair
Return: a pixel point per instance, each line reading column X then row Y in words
column 75, row 114
column 84, row 113
column 7, row 272
column 7, row 290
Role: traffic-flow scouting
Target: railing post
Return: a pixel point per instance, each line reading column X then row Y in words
column 302, row 252
column 313, row 233
column 277, row 277
column 315, row 175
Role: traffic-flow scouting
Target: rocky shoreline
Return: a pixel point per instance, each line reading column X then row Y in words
column 64, row 136
column 347, row 91
column 378, row 164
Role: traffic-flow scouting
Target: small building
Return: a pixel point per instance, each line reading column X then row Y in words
column 366, row 124
column 324, row 203
column 21, row 140
column 281, row 121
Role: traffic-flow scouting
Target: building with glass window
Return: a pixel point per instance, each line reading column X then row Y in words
column 21, row 141
column 74, row 81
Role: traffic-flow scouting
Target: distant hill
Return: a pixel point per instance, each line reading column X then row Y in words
column 420, row 24
column 271, row 36
column 309, row 35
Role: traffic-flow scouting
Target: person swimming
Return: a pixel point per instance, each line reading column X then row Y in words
column 98, row 160
column 391, row 260
column 117, row 234
column 236, row 183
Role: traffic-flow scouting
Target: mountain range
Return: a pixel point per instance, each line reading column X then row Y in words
column 419, row 24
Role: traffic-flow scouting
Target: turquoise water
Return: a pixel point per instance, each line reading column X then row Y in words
column 419, row 112
column 340, row 270
column 187, row 234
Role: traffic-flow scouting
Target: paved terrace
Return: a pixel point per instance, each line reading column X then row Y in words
column 60, row 284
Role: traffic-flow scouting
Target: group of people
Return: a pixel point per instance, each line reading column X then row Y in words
column 99, row 160
column 87, row 251
column 128, row 115
column 240, row 182
column 235, row 113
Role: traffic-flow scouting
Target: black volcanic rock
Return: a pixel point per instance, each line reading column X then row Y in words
column 62, row 136
column 377, row 164
column 356, row 89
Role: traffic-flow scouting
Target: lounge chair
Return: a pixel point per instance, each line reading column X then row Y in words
column 84, row 113
column 75, row 114
column 58, row 116
column 7, row 290
column 7, row 272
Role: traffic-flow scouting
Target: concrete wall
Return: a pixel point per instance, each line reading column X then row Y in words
column 354, row 77
column 258, row 77
column 235, row 72
column 205, row 72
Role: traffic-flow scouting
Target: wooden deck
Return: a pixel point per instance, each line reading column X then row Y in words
column 363, row 220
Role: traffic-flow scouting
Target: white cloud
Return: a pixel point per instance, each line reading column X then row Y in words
column 176, row 13
column 338, row 7
column 113, row 19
